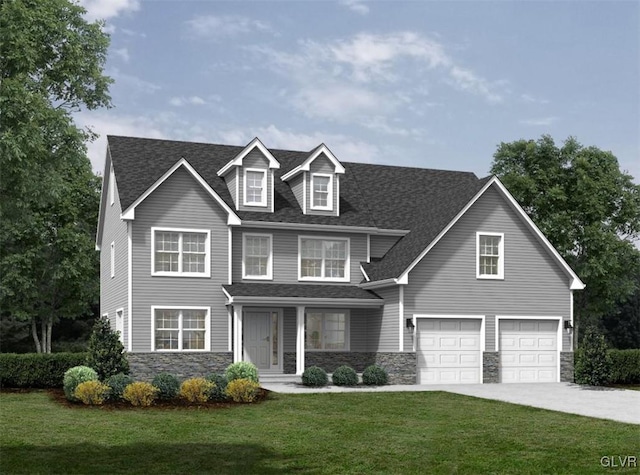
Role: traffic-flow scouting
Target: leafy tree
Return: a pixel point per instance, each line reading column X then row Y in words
column 106, row 352
column 588, row 209
column 51, row 63
column 592, row 360
column 622, row 327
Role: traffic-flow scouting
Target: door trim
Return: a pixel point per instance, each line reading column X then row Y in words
column 279, row 311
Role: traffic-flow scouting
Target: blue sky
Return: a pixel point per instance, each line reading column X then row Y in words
column 421, row 83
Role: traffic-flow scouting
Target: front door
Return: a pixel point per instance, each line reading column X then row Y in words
column 257, row 338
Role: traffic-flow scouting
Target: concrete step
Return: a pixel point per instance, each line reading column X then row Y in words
column 279, row 378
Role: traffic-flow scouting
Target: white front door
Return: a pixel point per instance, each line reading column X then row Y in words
column 258, row 338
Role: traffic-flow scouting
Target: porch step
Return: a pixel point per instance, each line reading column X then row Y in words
column 279, row 378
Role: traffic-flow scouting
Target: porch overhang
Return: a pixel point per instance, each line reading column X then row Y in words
column 338, row 296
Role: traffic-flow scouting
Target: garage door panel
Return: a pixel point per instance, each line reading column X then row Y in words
column 528, row 350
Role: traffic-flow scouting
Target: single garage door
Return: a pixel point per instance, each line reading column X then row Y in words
column 448, row 350
column 528, row 351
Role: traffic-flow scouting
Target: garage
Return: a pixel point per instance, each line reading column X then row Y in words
column 449, row 350
column 528, row 350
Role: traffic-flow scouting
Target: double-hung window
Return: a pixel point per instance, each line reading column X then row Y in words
column 490, row 255
column 327, row 330
column 322, row 191
column 257, row 256
column 180, row 329
column 255, row 182
column 324, row 259
column 180, row 252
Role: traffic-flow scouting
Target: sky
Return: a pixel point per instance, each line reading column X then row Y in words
column 429, row 84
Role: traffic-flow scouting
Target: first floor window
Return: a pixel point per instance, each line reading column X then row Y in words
column 180, row 252
column 324, row 259
column 180, row 329
column 490, row 256
column 326, row 330
column 257, row 256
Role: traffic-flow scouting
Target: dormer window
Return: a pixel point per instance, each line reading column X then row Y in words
column 322, row 192
column 254, row 187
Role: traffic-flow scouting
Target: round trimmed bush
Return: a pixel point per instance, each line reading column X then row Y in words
column 75, row 376
column 196, row 389
column 140, row 393
column 375, row 375
column 314, row 376
column 117, row 383
column 167, row 384
column 218, row 393
column 92, row 392
column 242, row 370
column 243, row 390
column 345, row 376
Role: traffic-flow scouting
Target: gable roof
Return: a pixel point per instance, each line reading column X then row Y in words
column 315, row 153
column 237, row 161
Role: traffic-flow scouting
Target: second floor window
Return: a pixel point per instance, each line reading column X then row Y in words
column 490, row 248
column 254, row 187
column 321, row 197
column 257, row 256
column 180, row 252
column 324, row 259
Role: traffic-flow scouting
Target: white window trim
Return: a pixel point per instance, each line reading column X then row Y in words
column 347, row 327
column 269, row 275
column 207, row 328
column 207, row 248
column 329, row 206
column 263, row 202
column 113, row 259
column 112, row 187
column 347, row 264
column 500, row 275
column 120, row 315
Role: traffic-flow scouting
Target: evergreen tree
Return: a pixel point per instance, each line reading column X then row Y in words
column 106, row 351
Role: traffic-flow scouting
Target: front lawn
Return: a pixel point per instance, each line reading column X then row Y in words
column 429, row 432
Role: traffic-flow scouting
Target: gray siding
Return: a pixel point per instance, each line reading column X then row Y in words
column 490, row 332
column 358, row 329
column 179, row 202
column 113, row 291
column 231, row 179
column 255, row 159
column 289, row 325
column 285, row 253
column 381, row 244
column 322, row 165
column 383, row 331
column 445, row 280
column 297, row 186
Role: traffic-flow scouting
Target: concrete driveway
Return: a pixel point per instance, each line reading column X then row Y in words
column 604, row 403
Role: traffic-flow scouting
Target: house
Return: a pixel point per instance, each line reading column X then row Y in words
column 212, row 254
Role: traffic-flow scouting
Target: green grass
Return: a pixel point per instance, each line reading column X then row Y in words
column 430, row 432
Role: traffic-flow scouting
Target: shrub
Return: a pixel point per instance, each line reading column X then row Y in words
column 75, row 376
column 242, row 370
column 243, row 390
column 345, row 376
column 592, row 362
column 36, row 370
column 625, row 366
column 106, row 352
column 140, row 393
column 117, row 383
column 92, row 392
column 218, row 393
column 314, row 376
column 196, row 389
column 375, row 375
column 167, row 384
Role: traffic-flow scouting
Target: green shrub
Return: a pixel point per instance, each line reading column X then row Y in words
column 92, row 392
column 106, row 352
column 140, row 394
column 196, row 389
column 75, row 376
column 345, row 376
column 167, row 384
column 625, row 366
column 218, row 393
column 242, row 370
column 243, row 390
column 375, row 375
column 36, row 370
column 592, row 362
column 117, row 383
column 315, row 377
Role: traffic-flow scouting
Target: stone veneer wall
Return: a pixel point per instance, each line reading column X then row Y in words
column 566, row 366
column 144, row 366
column 491, row 367
column 400, row 366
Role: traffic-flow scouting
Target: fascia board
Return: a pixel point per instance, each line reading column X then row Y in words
column 237, row 161
column 306, row 301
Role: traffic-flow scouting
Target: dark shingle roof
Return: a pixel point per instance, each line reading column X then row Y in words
column 421, row 200
column 299, row 291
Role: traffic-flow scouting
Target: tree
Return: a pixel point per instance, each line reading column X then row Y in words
column 106, row 352
column 588, row 209
column 622, row 327
column 51, row 63
column 593, row 362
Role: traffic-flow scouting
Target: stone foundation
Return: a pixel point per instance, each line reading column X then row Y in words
column 144, row 366
column 566, row 366
column 491, row 367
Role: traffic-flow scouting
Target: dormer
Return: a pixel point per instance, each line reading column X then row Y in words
column 249, row 177
column 316, row 182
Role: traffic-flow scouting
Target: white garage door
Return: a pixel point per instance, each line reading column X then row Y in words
column 528, row 351
column 448, row 350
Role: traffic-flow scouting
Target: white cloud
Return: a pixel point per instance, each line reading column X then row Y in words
column 532, row 99
column 467, row 80
column 182, row 101
column 105, row 9
column 356, row 6
column 342, row 102
column 133, row 82
column 217, row 27
column 123, row 53
column 543, row 121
